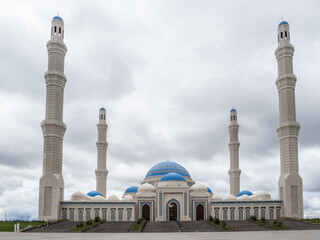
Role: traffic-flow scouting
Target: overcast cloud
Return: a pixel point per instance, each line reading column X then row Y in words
column 168, row 73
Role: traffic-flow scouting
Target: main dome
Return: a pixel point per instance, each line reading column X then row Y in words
column 165, row 167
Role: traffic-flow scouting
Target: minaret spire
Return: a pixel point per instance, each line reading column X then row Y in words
column 290, row 182
column 102, row 144
column 234, row 172
column 51, row 189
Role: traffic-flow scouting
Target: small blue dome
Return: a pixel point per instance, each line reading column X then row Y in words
column 102, row 109
column 233, row 110
column 209, row 190
column 132, row 189
column 165, row 167
column 172, row 177
column 244, row 192
column 94, row 193
column 283, row 22
column 57, row 17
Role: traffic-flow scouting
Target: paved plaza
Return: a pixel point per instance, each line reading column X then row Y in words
column 272, row 235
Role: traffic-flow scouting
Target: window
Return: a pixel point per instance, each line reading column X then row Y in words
column 104, row 215
column 80, row 216
column 113, row 215
column 278, row 213
column 64, row 215
column 271, row 214
column 88, row 215
column 129, row 213
column 55, row 29
column 96, row 213
column 120, row 215
column 240, row 214
column 216, row 214
column 59, row 30
column 232, row 214
column 281, row 35
column 263, row 213
column 71, row 215
column 225, row 214
column 285, row 34
column 256, row 213
column 247, row 213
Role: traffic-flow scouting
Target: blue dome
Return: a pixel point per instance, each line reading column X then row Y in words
column 283, row 22
column 57, row 17
column 172, row 177
column 233, row 110
column 94, row 193
column 209, row 190
column 132, row 189
column 102, row 109
column 165, row 167
column 244, row 192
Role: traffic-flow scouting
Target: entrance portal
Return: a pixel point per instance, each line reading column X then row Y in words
column 146, row 212
column 173, row 211
column 199, row 212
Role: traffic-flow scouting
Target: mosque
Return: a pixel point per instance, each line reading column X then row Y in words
column 168, row 192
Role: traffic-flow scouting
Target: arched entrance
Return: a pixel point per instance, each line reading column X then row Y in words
column 146, row 212
column 173, row 211
column 199, row 212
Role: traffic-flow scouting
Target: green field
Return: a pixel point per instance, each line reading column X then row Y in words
column 9, row 226
column 313, row 220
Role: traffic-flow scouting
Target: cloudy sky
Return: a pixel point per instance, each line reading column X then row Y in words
column 168, row 73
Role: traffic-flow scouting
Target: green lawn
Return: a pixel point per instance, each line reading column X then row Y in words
column 9, row 226
column 313, row 220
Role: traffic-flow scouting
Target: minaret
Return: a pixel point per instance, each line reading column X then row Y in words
column 234, row 172
column 290, row 182
column 51, row 189
column 102, row 144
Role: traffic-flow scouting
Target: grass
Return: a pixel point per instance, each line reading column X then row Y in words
column 9, row 226
column 85, row 225
column 312, row 220
column 220, row 224
column 138, row 225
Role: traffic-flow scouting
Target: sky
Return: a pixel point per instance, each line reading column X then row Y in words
column 168, row 73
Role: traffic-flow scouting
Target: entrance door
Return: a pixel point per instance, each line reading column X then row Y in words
column 173, row 211
column 146, row 212
column 199, row 212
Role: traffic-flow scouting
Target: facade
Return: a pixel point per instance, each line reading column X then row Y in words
column 168, row 192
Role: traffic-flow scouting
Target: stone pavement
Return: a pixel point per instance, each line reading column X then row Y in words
column 270, row 235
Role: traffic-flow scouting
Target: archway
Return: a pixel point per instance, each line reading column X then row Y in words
column 199, row 212
column 173, row 211
column 146, row 212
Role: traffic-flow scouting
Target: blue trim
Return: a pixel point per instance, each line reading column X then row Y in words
column 250, row 202
column 98, row 203
column 167, row 209
column 58, row 18
column 160, row 204
column 283, row 22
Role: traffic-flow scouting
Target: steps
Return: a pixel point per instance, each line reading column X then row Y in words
column 291, row 224
column 171, row 226
column 245, row 225
column 111, row 227
column 197, row 226
column 64, row 226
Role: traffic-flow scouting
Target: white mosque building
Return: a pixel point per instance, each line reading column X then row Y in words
column 168, row 192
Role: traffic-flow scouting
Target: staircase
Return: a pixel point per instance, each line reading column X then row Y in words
column 244, row 225
column 64, row 226
column 111, row 227
column 197, row 226
column 291, row 224
column 171, row 226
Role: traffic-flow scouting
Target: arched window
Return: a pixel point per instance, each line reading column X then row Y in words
column 64, row 215
column 216, row 214
column 256, row 213
column 87, row 215
column 104, row 215
column 96, row 213
column 120, row 215
column 80, row 215
column 247, row 213
column 281, row 35
column 271, row 214
column 225, row 214
column 240, row 214
column 71, row 215
column 232, row 214
column 263, row 213
column 278, row 213
column 129, row 213
column 113, row 215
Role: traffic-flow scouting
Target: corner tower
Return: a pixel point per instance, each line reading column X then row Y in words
column 51, row 189
column 234, row 172
column 290, row 182
column 102, row 144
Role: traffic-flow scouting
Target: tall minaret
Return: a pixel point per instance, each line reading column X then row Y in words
column 234, row 172
column 102, row 144
column 290, row 182
column 51, row 182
